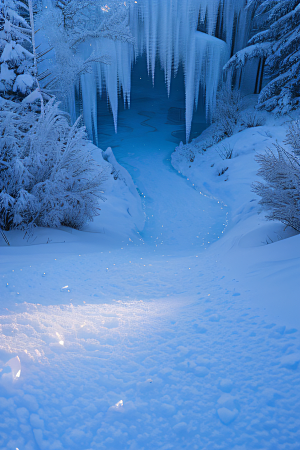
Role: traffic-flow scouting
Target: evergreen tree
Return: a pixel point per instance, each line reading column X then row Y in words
column 17, row 77
column 47, row 174
column 278, row 47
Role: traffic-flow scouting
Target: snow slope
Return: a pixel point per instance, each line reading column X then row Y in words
column 180, row 336
column 270, row 272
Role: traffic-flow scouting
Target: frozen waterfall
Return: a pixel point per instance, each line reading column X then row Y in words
column 168, row 31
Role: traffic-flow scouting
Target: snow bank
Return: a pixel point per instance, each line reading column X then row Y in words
column 135, row 348
column 262, row 254
column 120, row 214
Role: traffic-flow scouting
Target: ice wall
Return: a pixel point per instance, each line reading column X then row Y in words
column 167, row 31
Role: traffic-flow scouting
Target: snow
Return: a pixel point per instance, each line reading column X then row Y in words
column 33, row 96
column 179, row 335
column 7, row 75
column 226, row 415
column 23, row 82
column 15, row 365
column 269, row 270
column 14, row 52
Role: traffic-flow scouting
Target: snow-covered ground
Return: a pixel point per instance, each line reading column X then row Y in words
column 182, row 335
column 269, row 272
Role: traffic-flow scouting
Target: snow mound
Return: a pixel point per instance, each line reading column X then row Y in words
column 121, row 213
column 262, row 254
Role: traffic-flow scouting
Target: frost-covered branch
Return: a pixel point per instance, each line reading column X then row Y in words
column 240, row 59
column 73, row 23
column 280, row 170
column 47, row 174
column 293, row 137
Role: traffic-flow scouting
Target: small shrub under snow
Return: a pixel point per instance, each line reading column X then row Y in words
column 226, row 113
column 251, row 120
column 225, row 152
column 280, row 169
column 47, row 174
column 293, row 137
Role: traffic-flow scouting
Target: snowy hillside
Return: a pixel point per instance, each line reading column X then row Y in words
column 263, row 255
column 161, row 339
column 146, row 302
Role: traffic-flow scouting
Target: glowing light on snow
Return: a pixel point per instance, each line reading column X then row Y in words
column 65, row 289
column 15, row 365
column 61, row 342
column 117, row 407
column 105, row 8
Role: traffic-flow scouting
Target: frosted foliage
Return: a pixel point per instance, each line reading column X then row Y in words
column 16, row 59
column 67, row 27
column 280, row 169
column 164, row 31
column 48, row 177
column 293, row 137
column 277, row 46
column 227, row 113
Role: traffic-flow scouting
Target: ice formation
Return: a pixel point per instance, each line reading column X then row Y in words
column 168, row 31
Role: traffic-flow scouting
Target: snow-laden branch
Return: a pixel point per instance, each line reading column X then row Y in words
column 243, row 56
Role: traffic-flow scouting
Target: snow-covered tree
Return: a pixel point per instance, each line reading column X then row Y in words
column 86, row 20
column 17, row 78
column 277, row 45
column 280, row 169
column 71, row 23
column 47, row 174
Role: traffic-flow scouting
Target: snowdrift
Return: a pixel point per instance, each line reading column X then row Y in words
column 263, row 255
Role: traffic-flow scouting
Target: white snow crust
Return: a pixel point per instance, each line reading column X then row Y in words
column 181, row 335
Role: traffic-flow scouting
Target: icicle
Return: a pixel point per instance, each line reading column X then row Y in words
column 154, row 32
column 168, row 29
column 111, row 81
column 89, row 104
column 173, row 26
